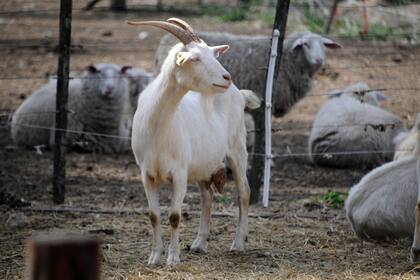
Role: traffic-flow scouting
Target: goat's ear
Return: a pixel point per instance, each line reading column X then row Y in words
column 330, row 43
column 125, row 68
column 183, row 57
column 92, row 69
column 220, row 49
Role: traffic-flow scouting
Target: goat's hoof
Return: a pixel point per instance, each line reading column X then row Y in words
column 415, row 255
column 199, row 246
column 173, row 260
column 237, row 246
column 154, row 259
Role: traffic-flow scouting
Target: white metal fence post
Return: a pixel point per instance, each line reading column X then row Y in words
column 268, row 97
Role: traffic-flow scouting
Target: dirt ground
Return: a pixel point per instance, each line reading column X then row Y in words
column 297, row 237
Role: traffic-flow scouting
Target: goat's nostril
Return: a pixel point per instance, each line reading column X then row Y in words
column 227, row 77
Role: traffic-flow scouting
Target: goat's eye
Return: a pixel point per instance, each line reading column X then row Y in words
column 307, row 45
column 195, row 59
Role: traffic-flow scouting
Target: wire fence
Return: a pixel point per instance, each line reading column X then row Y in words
column 288, row 154
column 115, row 38
column 226, row 6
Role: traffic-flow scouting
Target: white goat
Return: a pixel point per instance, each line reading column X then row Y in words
column 181, row 136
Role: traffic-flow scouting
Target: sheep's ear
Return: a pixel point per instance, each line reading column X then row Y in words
column 330, row 43
column 381, row 96
column 298, row 43
column 183, row 57
column 125, row 68
column 220, row 49
column 92, row 69
column 334, row 94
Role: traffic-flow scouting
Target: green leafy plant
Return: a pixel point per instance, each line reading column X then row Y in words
column 225, row 199
column 334, row 199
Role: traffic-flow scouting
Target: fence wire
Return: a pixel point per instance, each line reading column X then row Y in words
column 274, row 155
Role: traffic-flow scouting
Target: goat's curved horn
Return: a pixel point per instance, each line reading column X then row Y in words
column 184, row 36
column 185, row 26
column 181, row 24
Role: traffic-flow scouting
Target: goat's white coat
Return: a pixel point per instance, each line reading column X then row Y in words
column 182, row 136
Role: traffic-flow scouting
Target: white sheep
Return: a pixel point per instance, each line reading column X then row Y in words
column 384, row 204
column 138, row 79
column 405, row 143
column 189, row 119
column 303, row 55
column 98, row 103
column 351, row 130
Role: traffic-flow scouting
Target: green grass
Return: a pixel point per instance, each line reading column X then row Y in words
column 229, row 14
column 250, row 11
column 316, row 23
column 225, row 198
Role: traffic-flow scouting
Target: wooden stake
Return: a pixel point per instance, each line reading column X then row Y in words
column 63, row 257
column 61, row 102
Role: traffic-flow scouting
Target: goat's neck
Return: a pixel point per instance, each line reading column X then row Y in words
column 168, row 98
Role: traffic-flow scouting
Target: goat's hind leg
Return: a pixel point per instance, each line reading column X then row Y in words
column 237, row 159
column 415, row 248
column 152, row 192
column 200, row 243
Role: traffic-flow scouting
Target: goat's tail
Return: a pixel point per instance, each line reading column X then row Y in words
column 252, row 101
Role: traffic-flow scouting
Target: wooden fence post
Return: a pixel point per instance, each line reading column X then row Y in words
column 333, row 12
column 118, row 5
column 61, row 102
column 64, row 258
column 256, row 173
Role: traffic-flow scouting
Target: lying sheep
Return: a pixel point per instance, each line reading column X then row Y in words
column 138, row 80
column 303, row 55
column 351, row 122
column 405, row 143
column 384, row 204
column 98, row 104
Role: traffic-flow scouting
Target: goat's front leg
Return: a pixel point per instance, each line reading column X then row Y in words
column 237, row 159
column 179, row 189
column 152, row 192
column 200, row 243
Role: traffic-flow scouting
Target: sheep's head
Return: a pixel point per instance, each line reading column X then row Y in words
column 197, row 67
column 361, row 92
column 105, row 80
column 312, row 49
